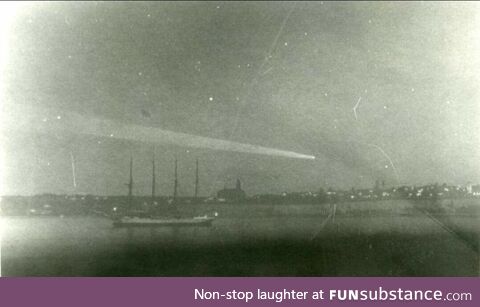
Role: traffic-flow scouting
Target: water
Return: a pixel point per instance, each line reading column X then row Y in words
column 263, row 240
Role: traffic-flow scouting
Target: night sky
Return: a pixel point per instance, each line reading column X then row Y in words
column 384, row 90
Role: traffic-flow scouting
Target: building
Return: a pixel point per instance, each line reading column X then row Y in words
column 476, row 190
column 232, row 195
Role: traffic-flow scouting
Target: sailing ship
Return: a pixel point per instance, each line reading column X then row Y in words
column 163, row 222
column 144, row 218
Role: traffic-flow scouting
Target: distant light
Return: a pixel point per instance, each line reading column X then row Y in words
column 59, row 117
column 386, row 166
column 210, row 98
column 286, row 44
column 111, row 135
column 44, row 120
column 413, row 90
column 140, row 73
column 306, row 33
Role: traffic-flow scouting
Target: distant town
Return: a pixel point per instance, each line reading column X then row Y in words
column 54, row 204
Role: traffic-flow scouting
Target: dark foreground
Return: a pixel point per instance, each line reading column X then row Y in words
column 352, row 255
column 377, row 239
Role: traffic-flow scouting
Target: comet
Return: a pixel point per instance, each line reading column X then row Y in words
column 50, row 121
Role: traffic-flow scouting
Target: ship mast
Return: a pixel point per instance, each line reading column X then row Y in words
column 153, row 175
column 130, row 183
column 196, row 179
column 175, row 185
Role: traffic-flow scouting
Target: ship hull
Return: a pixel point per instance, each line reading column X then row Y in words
column 151, row 222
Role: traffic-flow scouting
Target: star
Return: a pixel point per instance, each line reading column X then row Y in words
column 210, row 98
column 59, row 117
